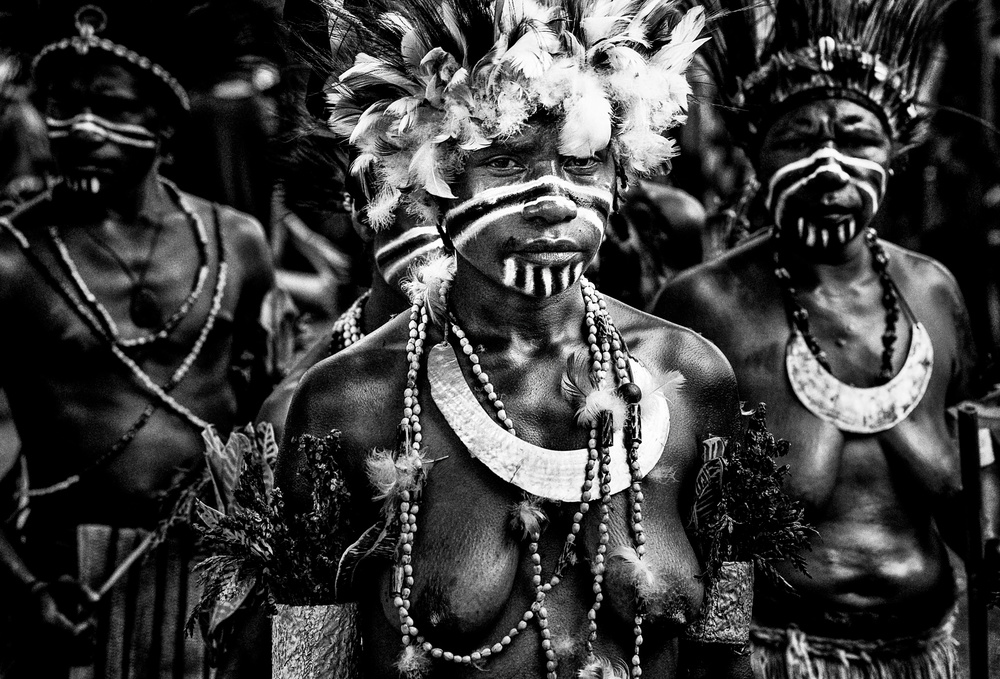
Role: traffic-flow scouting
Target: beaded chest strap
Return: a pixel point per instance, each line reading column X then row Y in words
column 549, row 474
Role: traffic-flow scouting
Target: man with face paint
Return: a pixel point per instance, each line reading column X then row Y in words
column 498, row 420
column 135, row 307
column 858, row 346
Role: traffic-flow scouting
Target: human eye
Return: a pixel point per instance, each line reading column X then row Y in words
column 503, row 165
column 582, row 165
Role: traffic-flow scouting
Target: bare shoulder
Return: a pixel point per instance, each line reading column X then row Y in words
column 242, row 233
column 664, row 346
column 24, row 228
column 920, row 272
column 358, row 392
column 716, row 287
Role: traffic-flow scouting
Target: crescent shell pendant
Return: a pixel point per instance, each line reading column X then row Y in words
column 855, row 409
column 550, row 474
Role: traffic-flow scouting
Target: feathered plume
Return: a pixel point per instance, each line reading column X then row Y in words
column 391, row 475
column 425, row 285
column 527, row 517
column 604, row 668
column 641, row 572
column 413, row 663
column 764, row 54
column 433, row 80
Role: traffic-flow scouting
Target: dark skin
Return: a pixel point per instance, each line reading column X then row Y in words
column 884, row 504
column 70, row 398
column 472, row 574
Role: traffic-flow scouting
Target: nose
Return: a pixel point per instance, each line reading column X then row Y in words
column 85, row 129
column 831, row 176
column 550, row 209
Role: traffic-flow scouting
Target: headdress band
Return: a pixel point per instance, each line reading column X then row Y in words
column 91, row 20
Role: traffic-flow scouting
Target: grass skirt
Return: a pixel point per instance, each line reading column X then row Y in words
column 792, row 654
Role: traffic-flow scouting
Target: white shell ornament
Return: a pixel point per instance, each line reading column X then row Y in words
column 855, row 409
column 550, row 474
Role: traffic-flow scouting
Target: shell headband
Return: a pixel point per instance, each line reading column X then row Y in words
column 91, row 20
column 434, row 81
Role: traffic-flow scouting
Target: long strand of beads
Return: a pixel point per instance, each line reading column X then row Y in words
column 108, row 323
column 632, row 395
column 346, row 330
column 602, row 344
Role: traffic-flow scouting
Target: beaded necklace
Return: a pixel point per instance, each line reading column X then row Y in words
column 346, row 329
column 890, row 301
column 107, row 322
column 604, row 343
column 160, row 393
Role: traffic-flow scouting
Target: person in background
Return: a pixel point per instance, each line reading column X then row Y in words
column 858, row 346
column 136, row 309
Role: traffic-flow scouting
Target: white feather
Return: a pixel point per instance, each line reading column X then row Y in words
column 598, row 401
column 640, row 572
column 586, row 129
column 424, row 168
column 527, row 518
column 603, row 668
column 413, row 663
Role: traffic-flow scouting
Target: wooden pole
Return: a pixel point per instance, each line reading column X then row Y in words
column 968, row 440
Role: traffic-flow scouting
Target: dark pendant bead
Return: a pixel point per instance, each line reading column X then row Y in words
column 606, row 429
column 633, row 425
column 144, row 308
column 630, row 392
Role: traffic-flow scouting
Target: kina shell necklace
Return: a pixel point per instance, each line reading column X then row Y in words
column 859, row 410
column 607, row 356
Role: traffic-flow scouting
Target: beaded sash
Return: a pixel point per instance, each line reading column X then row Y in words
column 550, row 474
column 855, row 409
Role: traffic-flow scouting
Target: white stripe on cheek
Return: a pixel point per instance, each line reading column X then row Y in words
column 509, row 272
column 469, row 231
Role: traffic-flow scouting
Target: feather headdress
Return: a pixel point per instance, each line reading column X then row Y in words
column 768, row 56
column 436, row 79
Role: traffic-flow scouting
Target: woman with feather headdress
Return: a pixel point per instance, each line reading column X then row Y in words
column 858, row 345
column 519, row 446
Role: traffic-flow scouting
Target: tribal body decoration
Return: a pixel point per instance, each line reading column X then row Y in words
column 395, row 258
column 590, row 205
column 435, row 80
column 790, row 188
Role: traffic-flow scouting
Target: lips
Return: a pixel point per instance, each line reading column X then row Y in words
column 548, row 251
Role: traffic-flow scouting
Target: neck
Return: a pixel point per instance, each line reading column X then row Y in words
column 813, row 267
column 498, row 317
column 384, row 301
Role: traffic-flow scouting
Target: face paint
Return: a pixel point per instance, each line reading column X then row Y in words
column 540, row 281
column 394, row 257
column 98, row 129
column 549, row 199
column 800, row 183
column 135, row 141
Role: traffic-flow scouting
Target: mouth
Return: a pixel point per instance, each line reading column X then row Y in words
column 549, row 251
column 837, row 228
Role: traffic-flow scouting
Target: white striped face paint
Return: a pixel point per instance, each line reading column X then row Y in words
column 396, row 252
column 98, row 129
column 537, row 236
column 824, row 200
